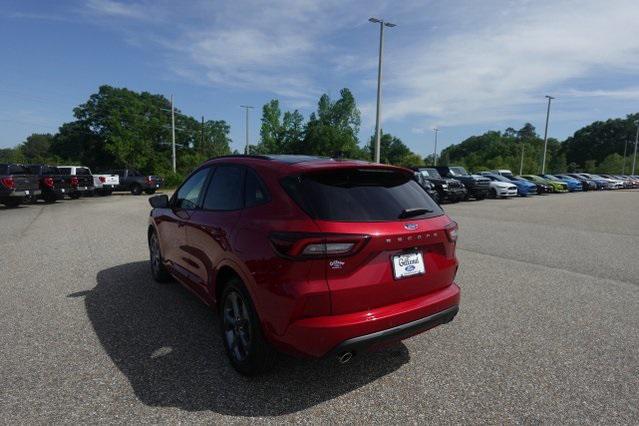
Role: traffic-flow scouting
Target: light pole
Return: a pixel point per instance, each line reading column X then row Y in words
column 378, row 136
column 247, row 107
column 543, row 163
column 173, row 134
column 625, row 149
column 521, row 163
column 436, row 130
column 634, row 158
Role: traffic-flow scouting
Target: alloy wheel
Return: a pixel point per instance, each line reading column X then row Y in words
column 236, row 326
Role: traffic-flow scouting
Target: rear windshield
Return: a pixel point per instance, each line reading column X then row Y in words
column 82, row 171
column 359, row 195
column 64, row 170
column 15, row 169
column 430, row 173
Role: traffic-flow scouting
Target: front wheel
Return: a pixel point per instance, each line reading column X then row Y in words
column 241, row 331
column 493, row 193
column 158, row 270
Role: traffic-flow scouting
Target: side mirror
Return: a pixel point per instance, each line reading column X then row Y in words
column 159, row 201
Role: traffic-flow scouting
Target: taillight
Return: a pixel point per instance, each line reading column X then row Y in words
column 8, row 183
column 48, row 182
column 451, row 231
column 149, row 180
column 102, row 179
column 299, row 245
column 74, row 181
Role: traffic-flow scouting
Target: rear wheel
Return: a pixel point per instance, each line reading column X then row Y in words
column 49, row 198
column 11, row 202
column 74, row 195
column 241, row 331
column 149, row 191
column 136, row 190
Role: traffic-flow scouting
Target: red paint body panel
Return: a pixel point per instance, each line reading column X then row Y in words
column 306, row 306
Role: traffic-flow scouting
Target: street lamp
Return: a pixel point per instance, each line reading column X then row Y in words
column 247, row 108
column 634, row 159
column 543, row 163
column 378, row 136
column 436, row 130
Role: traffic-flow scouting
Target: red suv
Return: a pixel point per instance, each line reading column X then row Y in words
column 310, row 256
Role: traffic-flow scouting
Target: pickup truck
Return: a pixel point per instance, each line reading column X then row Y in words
column 136, row 182
column 17, row 184
column 450, row 190
column 81, row 180
column 53, row 184
column 477, row 186
column 105, row 184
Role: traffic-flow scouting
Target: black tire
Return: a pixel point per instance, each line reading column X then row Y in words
column 492, row 193
column 158, row 270
column 136, row 189
column 74, row 195
column 149, row 191
column 480, row 197
column 241, row 331
column 49, row 198
column 107, row 193
column 11, row 202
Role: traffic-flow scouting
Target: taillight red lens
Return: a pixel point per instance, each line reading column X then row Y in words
column 316, row 245
column 74, row 181
column 102, row 179
column 48, row 182
column 8, row 183
column 451, row 231
column 149, row 180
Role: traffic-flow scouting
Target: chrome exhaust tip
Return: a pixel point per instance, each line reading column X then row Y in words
column 345, row 357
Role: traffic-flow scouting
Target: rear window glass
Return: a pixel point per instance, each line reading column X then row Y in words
column 64, row 170
column 81, row 171
column 14, row 169
column 360, row 195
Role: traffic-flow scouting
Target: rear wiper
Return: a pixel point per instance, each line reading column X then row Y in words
column 416, row 211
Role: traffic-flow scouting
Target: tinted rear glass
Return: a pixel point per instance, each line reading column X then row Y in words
column 15, row 169
column 359, row 195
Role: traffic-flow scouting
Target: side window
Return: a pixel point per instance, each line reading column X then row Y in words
column 188, row 195
column 254, row 191
column 225, row 190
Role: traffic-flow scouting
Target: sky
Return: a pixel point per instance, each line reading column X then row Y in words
column 463, row 66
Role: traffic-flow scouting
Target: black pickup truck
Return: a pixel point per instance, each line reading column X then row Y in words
column 81, row 180
column 477, row 186
column 53, row 184
column 450, row 190
column 17, row 184
column 136, row 182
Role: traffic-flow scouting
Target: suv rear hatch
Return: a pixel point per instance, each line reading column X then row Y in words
column 385, row 240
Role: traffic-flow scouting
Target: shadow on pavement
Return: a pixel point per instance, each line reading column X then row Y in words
column 166, row 342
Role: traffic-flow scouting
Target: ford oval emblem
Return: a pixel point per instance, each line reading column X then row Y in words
column 411, row 226
column 410, row 268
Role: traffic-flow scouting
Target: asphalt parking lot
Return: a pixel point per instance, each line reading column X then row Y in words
column 548, row 329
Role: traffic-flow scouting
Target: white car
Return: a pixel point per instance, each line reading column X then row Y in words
column 499, row 189
column 612, row 183
column 105, row 184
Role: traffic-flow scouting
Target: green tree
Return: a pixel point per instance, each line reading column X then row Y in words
column 393, row 151
column 35, row 149
column 611, row 164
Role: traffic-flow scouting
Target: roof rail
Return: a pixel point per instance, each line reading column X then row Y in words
column 258, row 157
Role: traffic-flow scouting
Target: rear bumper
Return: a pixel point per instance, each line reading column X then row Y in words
column 20, row 193
column 321, row 336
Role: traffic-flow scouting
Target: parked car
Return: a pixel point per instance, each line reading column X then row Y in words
column 599, row 181
column 307, row 255
column 53, row 184
column 477, row 186
column 105, row 184
column 81, row 180
column 450, row 190
column 427, row 185
column 17, row 184
column 625, row 184
column 612, row 183
column 136, row 182
column 573, row 184
column 554, row 185
column 586, row 184
column 524, row 186
column 500, row 187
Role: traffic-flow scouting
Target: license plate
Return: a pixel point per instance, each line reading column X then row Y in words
column 26, row 192
column 62, row 190
column 408, row 264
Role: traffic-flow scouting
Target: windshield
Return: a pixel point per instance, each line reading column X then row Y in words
column 551, row 177
column 359, row 195
column 430, row 173
column 458, row 171
column 500, row 178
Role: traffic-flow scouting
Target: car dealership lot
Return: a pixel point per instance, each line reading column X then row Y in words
column 548, row 328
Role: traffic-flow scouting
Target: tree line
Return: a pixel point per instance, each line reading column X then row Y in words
column 117, row 127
